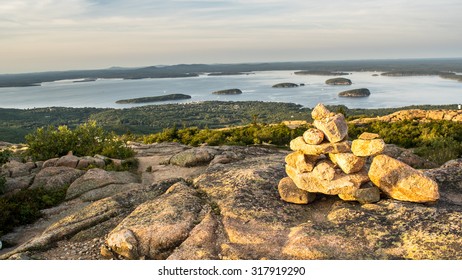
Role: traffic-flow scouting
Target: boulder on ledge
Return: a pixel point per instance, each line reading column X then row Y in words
column 402, row 182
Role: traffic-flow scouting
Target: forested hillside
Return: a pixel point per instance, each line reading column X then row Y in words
column 16, row 123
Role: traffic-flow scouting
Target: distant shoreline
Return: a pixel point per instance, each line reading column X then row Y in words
column 436, row 66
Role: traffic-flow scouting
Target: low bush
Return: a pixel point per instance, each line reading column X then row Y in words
column 5, row 156
column 85, row 139
column 437, row 141
column 130, row 164
column 440, row 150
column 2, row 184
column 24, row 206
column 280, row 135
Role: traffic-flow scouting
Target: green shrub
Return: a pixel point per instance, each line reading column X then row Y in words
column 2, row 185
column 440, row 150
column 5, row 156
column 130, row 164
column 24, row 206
column 247, row 135
column 437, row 141
column 85, row 139
column 116, row 149
column 50, row 142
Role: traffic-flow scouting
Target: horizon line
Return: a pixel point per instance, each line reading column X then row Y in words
column 233, row 63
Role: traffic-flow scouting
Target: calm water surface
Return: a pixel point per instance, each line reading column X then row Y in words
column 385, row 91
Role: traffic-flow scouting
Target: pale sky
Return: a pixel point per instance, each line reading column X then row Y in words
column 39, row 35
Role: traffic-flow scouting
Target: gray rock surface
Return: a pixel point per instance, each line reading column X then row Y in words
column 14, row 169
column 68, row 161
column 19, row 183
column 50, row 162
column 53, row 178
column 193, row 157
column 98, row 178
column 109, row 190
column 234, row 211
column 155, row 228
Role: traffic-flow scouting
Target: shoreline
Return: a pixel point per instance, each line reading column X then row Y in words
column 193, row 70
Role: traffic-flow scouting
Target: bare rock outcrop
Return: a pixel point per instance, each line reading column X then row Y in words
column 234, row 211
column 203, row 241
column 81, row 219
column 15, row 169
column 68, row 161
column 193, row 157
column 157, row 227
column 233, row 208
column 56, row 177
column 98, row 178
column 416, row 114
column 75, row 162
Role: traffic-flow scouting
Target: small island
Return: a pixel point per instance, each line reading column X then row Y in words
column 285, row 85
column 231, row 91
column 361, row 92
column 339, row 82
column 168, row 97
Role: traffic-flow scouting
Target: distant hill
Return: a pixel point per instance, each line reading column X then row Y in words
column 16, row 123
column 193, row 70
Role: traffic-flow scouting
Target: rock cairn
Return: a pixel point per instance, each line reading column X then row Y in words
column 324, row 161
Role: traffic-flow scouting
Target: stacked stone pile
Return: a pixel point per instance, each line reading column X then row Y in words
column 324, row 161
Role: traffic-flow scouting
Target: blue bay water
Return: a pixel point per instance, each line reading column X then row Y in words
column 103, row 93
